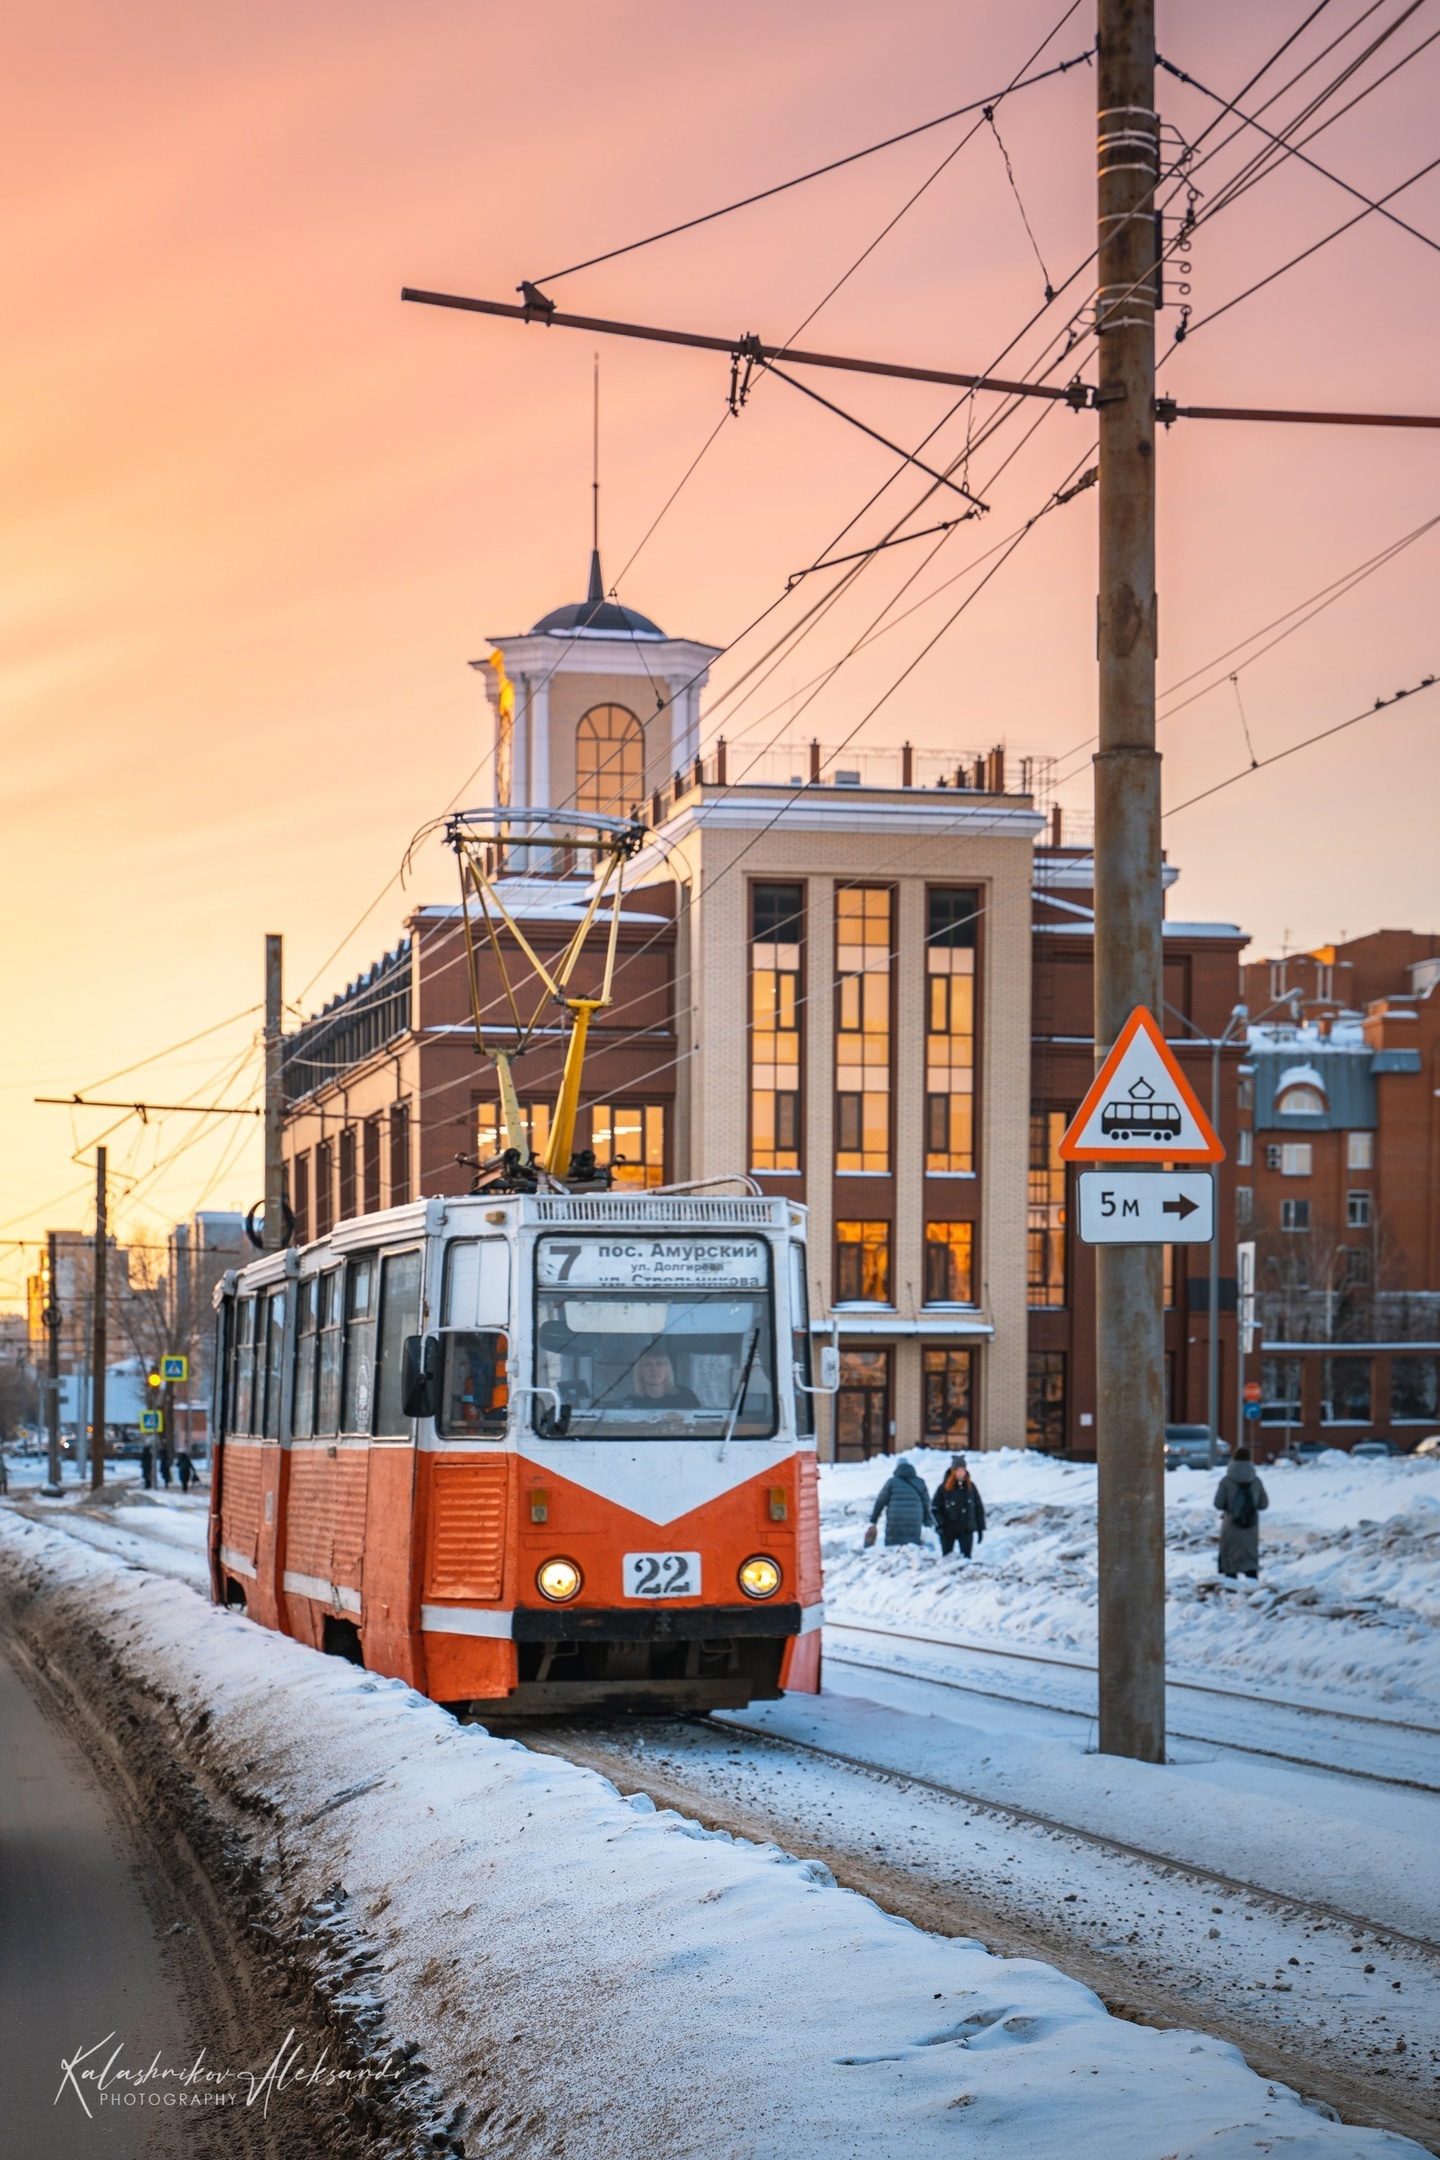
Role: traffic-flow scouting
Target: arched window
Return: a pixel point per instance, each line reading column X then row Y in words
column 1301, row 1102
column 609, row 761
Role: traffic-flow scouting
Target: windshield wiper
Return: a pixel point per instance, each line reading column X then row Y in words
column 751, row 1346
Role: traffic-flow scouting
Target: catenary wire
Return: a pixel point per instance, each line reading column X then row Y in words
column 1322, row 735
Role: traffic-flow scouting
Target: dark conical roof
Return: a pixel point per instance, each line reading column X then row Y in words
column 595, row 616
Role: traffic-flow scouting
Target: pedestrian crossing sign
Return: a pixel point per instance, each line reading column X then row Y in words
column 1140, row 1106
column 174, row 1368
column 150, row 1421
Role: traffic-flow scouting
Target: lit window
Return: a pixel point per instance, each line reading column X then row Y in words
column 949, row 1263
column 1297, row 1158
column 490, row 1138
column 862, row 1028
column 1294, row 1214
column 950, row 1029
column 862, row 1263
column 1357, row 1210
column 1046, row 1235
column 775, row 1026
column 1359, row 1151
column 629, row 1141
column 609, row 761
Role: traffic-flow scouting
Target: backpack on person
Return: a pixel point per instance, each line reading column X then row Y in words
column 1243, row 1511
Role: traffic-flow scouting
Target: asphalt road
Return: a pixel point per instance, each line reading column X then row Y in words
column 80, row 1956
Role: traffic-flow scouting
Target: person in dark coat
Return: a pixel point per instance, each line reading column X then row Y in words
column 1240, row 1498
column 905, row 1504
column 184, row 1469
column 958, row 1508
column 147, row 1466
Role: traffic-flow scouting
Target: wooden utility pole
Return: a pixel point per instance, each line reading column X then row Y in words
column 1130, row 1334
column 51, row 1317
column 98, row 1345
column 274, row 1225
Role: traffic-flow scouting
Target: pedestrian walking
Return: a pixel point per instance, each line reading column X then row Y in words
column 166, row 1467
column 905, row 1504
column 958, row 1508
column 184, row 1469
column 1240, row 1498
column 147, row 1466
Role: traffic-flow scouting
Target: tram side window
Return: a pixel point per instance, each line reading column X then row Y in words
column 800, row 1340
column 269, row 1404
column 399, row 1317
column 360, row 1303
column 476, row 1393
column 331, row 1339
column 244, row 1363
column 307, row 1306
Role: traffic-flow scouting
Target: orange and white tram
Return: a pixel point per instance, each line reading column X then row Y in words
column 530, row 1451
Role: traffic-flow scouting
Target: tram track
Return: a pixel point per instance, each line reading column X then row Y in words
column 691, row 1765
column 1383, row 1732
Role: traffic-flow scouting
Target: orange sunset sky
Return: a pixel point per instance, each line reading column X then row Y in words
column 257, row 516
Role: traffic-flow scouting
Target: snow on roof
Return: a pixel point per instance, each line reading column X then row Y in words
column 623, row 1972
column 1300, row 1076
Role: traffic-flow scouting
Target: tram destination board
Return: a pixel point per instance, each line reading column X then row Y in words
column 1146, row 1207
column 608, row 1262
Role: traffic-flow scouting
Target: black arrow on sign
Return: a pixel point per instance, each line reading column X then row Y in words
column 1181, row 1207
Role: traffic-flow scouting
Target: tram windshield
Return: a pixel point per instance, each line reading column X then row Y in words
column 648, row 1338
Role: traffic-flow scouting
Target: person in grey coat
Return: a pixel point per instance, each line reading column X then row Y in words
column 905, row 1504
column 1240, row 1498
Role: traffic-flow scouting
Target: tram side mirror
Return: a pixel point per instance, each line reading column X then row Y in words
column 420, row 1376
column 829, row 1365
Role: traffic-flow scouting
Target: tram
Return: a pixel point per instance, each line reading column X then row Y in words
column 540, row 1448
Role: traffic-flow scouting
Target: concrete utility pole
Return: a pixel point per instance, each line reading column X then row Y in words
column 1130, row 1321
column 51, row 1317
column 274, row 1225
column 99, row 1350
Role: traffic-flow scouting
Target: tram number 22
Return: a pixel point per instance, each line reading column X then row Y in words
column 662, row 1574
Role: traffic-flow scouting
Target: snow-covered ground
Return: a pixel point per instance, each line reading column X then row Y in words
column 587, row 1970
column 1347, row 1607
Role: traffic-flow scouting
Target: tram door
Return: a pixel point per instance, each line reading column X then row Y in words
column 862, row 1407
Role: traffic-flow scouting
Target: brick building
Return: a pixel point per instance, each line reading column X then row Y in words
column 867, row 986
column 1340, row 1189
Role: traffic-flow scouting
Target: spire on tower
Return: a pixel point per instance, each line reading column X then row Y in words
column 596, row 593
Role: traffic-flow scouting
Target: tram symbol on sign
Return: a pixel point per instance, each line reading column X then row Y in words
column 1142, row 1117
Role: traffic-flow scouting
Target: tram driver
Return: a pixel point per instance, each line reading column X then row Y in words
column 656, row 1387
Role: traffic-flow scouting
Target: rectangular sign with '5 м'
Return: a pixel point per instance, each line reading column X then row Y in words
column 1146, row 1207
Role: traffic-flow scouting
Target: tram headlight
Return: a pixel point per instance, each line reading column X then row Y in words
column 558, row 1580
column 760, row 1576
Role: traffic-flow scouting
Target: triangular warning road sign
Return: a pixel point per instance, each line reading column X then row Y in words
column 1141, row 1106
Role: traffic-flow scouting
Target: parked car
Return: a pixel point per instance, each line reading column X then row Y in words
column 1374, row 1447
column 1430, row 1446
column 1187, row 1447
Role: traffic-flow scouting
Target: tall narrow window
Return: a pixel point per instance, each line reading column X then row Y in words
column 628, row 1140
column 300, row 1188
column 862, row 1263
column 775, row 1026
column 862, row 1028
column 609, row 761
column 324, row 1189
column 371, row 1165
column 399, row 1318
column 307, row 1307
column 347, row 1173
column 1045, row 1399
column 330, row 1314
column 1047, row 1208
column 947, row 1398
column 949, row 1263
column 399, row 1154
column 360, row 1304
column 950, row 1029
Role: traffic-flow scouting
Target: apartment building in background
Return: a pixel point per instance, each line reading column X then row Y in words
column 1340, row 1187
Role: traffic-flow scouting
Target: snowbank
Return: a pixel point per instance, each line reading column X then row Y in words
column 1348, row 1602
column 581, row 1971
